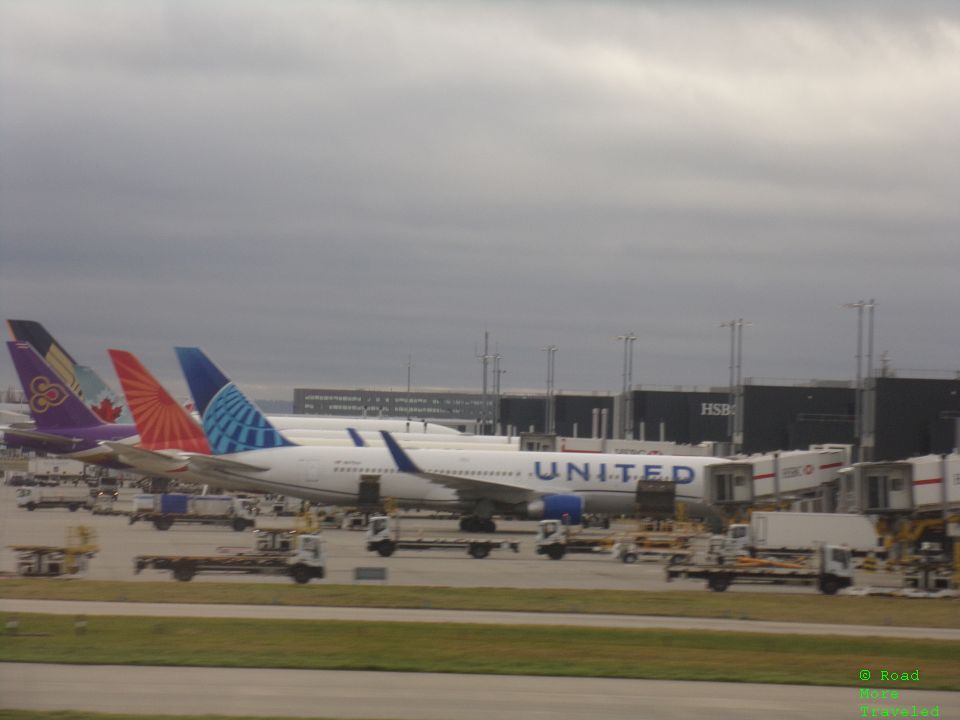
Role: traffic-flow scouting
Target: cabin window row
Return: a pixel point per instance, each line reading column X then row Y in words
column 481, row 473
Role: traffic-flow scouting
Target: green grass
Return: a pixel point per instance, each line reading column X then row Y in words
column 82, row 715
column 754, row 606
column 487, row 649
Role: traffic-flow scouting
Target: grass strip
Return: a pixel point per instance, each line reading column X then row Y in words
column 490, row 649
column 785, row 607
column 84, row 715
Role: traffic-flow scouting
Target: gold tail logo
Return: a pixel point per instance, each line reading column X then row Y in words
column 45, row 394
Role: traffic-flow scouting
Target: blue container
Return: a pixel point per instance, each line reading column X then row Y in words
column 174, row 503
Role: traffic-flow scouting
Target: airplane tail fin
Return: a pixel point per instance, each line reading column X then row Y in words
column 358, row 440
column 32, row 332
column 231, row 422
column 162, row 423
column 82, row 380
column 52, row 404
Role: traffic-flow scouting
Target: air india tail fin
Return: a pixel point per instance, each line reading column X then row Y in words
column 162, row 423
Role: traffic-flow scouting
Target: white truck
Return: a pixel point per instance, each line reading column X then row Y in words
column 54, row 470
column 383, row 537
column 790, row 533
column 828, row 567
column 302, row 559
column 165, row 510
column 555, row 540
column 72, row 498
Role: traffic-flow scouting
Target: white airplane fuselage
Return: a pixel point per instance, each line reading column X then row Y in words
column 606, row 483
column 324, row 422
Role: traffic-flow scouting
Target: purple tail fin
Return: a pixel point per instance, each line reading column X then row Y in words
column 52, row 405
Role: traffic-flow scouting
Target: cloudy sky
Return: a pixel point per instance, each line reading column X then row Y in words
column 313, row 191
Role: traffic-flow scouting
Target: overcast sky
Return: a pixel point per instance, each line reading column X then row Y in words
column 313, row 191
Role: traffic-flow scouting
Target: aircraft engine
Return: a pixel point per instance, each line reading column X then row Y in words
column 555, row 507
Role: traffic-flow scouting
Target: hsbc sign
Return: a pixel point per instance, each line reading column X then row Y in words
column 716, row 409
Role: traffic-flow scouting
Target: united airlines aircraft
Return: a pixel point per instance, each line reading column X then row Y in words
column 249, row 452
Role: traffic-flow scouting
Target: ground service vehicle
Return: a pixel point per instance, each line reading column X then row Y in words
column 165, row 510
column 49, row 561
column 829, row 567
column 383, row 537
column 303, row 561
column 791, row 532
column 555, row 540
column 658, row 540
column 72, row 498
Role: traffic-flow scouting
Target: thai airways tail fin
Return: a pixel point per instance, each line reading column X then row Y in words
column 52, row 404
column 231, row 422
column 162, row 423
column 88, row 386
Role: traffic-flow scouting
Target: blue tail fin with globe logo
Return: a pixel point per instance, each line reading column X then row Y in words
column 231, row 422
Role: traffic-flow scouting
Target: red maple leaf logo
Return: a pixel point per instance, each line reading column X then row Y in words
column 107, row 411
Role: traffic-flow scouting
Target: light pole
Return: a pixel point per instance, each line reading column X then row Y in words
column 626, row 410
column 735, row 419
column 731, row 398
column 484, row 360
column 548, row 424
column 409, row 378
column 859, row 412
column 497, row 373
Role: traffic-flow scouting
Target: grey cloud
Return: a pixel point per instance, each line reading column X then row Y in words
column 313, row 191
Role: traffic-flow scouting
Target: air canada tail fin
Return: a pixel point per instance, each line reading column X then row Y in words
column 231, row 422
column 162, row 423
column 82, row 380
column 52, row 404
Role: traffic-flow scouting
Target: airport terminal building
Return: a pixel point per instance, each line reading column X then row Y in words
column 900, row 417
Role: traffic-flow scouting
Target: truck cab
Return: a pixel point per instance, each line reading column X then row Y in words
column 380, row 528
column 738, row 539
column 245, row 508
column 551, row 539
column 836, row 568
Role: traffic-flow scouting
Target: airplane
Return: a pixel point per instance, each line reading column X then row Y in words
column 109, row 407
column 61, row 422
column 535, row 485
column 169, row 433
column 82, row 380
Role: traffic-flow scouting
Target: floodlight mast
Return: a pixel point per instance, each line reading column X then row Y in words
column 735, row 418
column 859, row 412
column 549, row 424
column 626, row 398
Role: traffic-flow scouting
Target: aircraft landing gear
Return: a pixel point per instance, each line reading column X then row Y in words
column 474, row 524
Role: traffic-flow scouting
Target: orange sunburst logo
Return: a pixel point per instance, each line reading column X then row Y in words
column 161, row 422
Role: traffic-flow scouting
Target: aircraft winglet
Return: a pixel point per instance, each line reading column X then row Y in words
column 400, row 457
column 355, row 436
